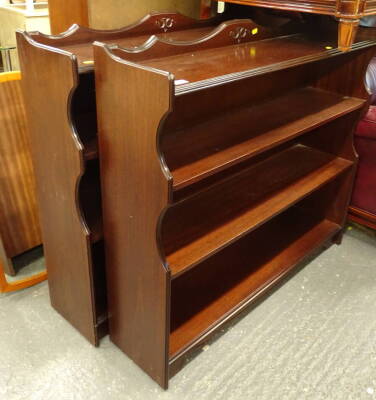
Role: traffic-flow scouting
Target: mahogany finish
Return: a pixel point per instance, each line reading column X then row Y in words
column 227, row 166
column 347, row 12
column 58, row 83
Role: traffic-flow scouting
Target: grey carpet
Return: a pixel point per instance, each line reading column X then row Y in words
column 313, row 338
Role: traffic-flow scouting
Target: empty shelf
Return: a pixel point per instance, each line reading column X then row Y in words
column 205, row 149
column 223, row 285
column 198, row 228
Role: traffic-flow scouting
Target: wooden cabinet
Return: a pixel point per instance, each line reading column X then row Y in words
column 19, row 223
column 58, row 83
column 224, row 163
column 348, row 13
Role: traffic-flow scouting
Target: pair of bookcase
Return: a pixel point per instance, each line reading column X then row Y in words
column 226, row 158
column 58, row 83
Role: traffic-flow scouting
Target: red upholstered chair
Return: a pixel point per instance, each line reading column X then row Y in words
column 363, row 204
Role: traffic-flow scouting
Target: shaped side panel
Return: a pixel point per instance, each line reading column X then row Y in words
column 49, row 79
column 131, row 103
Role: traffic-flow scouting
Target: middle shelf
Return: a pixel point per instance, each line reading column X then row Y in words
column 202, row 225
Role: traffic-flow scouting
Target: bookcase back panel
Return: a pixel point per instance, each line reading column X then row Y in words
column 193, row 107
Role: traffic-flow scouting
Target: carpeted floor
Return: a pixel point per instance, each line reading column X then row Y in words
column 313, row 338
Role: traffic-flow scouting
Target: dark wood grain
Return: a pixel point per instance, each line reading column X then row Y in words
column 206, row 67
column 133, row 201
column 229, row 32
column 19, row 221
column 78, row 39
column 241, row 226
column 205, row 149
column 62, row 112
column 59, row 165
column 238, row 274
column 233, row 208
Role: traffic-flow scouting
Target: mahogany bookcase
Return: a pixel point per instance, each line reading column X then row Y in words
column 58, row 85
column 222, row 168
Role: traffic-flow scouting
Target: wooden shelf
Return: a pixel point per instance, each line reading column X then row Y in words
column 200, row 65
column 226, row 283
column 205, row 149
column 242, row 203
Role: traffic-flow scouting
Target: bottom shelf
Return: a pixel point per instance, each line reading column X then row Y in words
column 214, row 291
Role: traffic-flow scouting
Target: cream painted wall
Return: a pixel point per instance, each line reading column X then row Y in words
column 109, row 14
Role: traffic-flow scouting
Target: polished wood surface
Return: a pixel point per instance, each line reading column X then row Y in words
column 204, row 65
column 136, row 220
column 280, row 245
column 167, row 25
column 62, row 112
column 65, row 13
column 348, row 13
column 19, row 222
column 231, row 211
column 263, row 131
column 204, row 149
column 59, row 165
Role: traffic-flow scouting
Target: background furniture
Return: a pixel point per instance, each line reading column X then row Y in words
column 19, row 222
column 110, row 14
column 20, row 16
column 62, row 117
column 64, row 14
column 363, row 203
column 238, row 165
column 347, row 12
column 5, row 59
column 5, row 286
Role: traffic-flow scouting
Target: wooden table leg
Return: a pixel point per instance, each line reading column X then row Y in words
column 346, row 33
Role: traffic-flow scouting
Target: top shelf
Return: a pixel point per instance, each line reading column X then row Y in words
column 203, row 68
